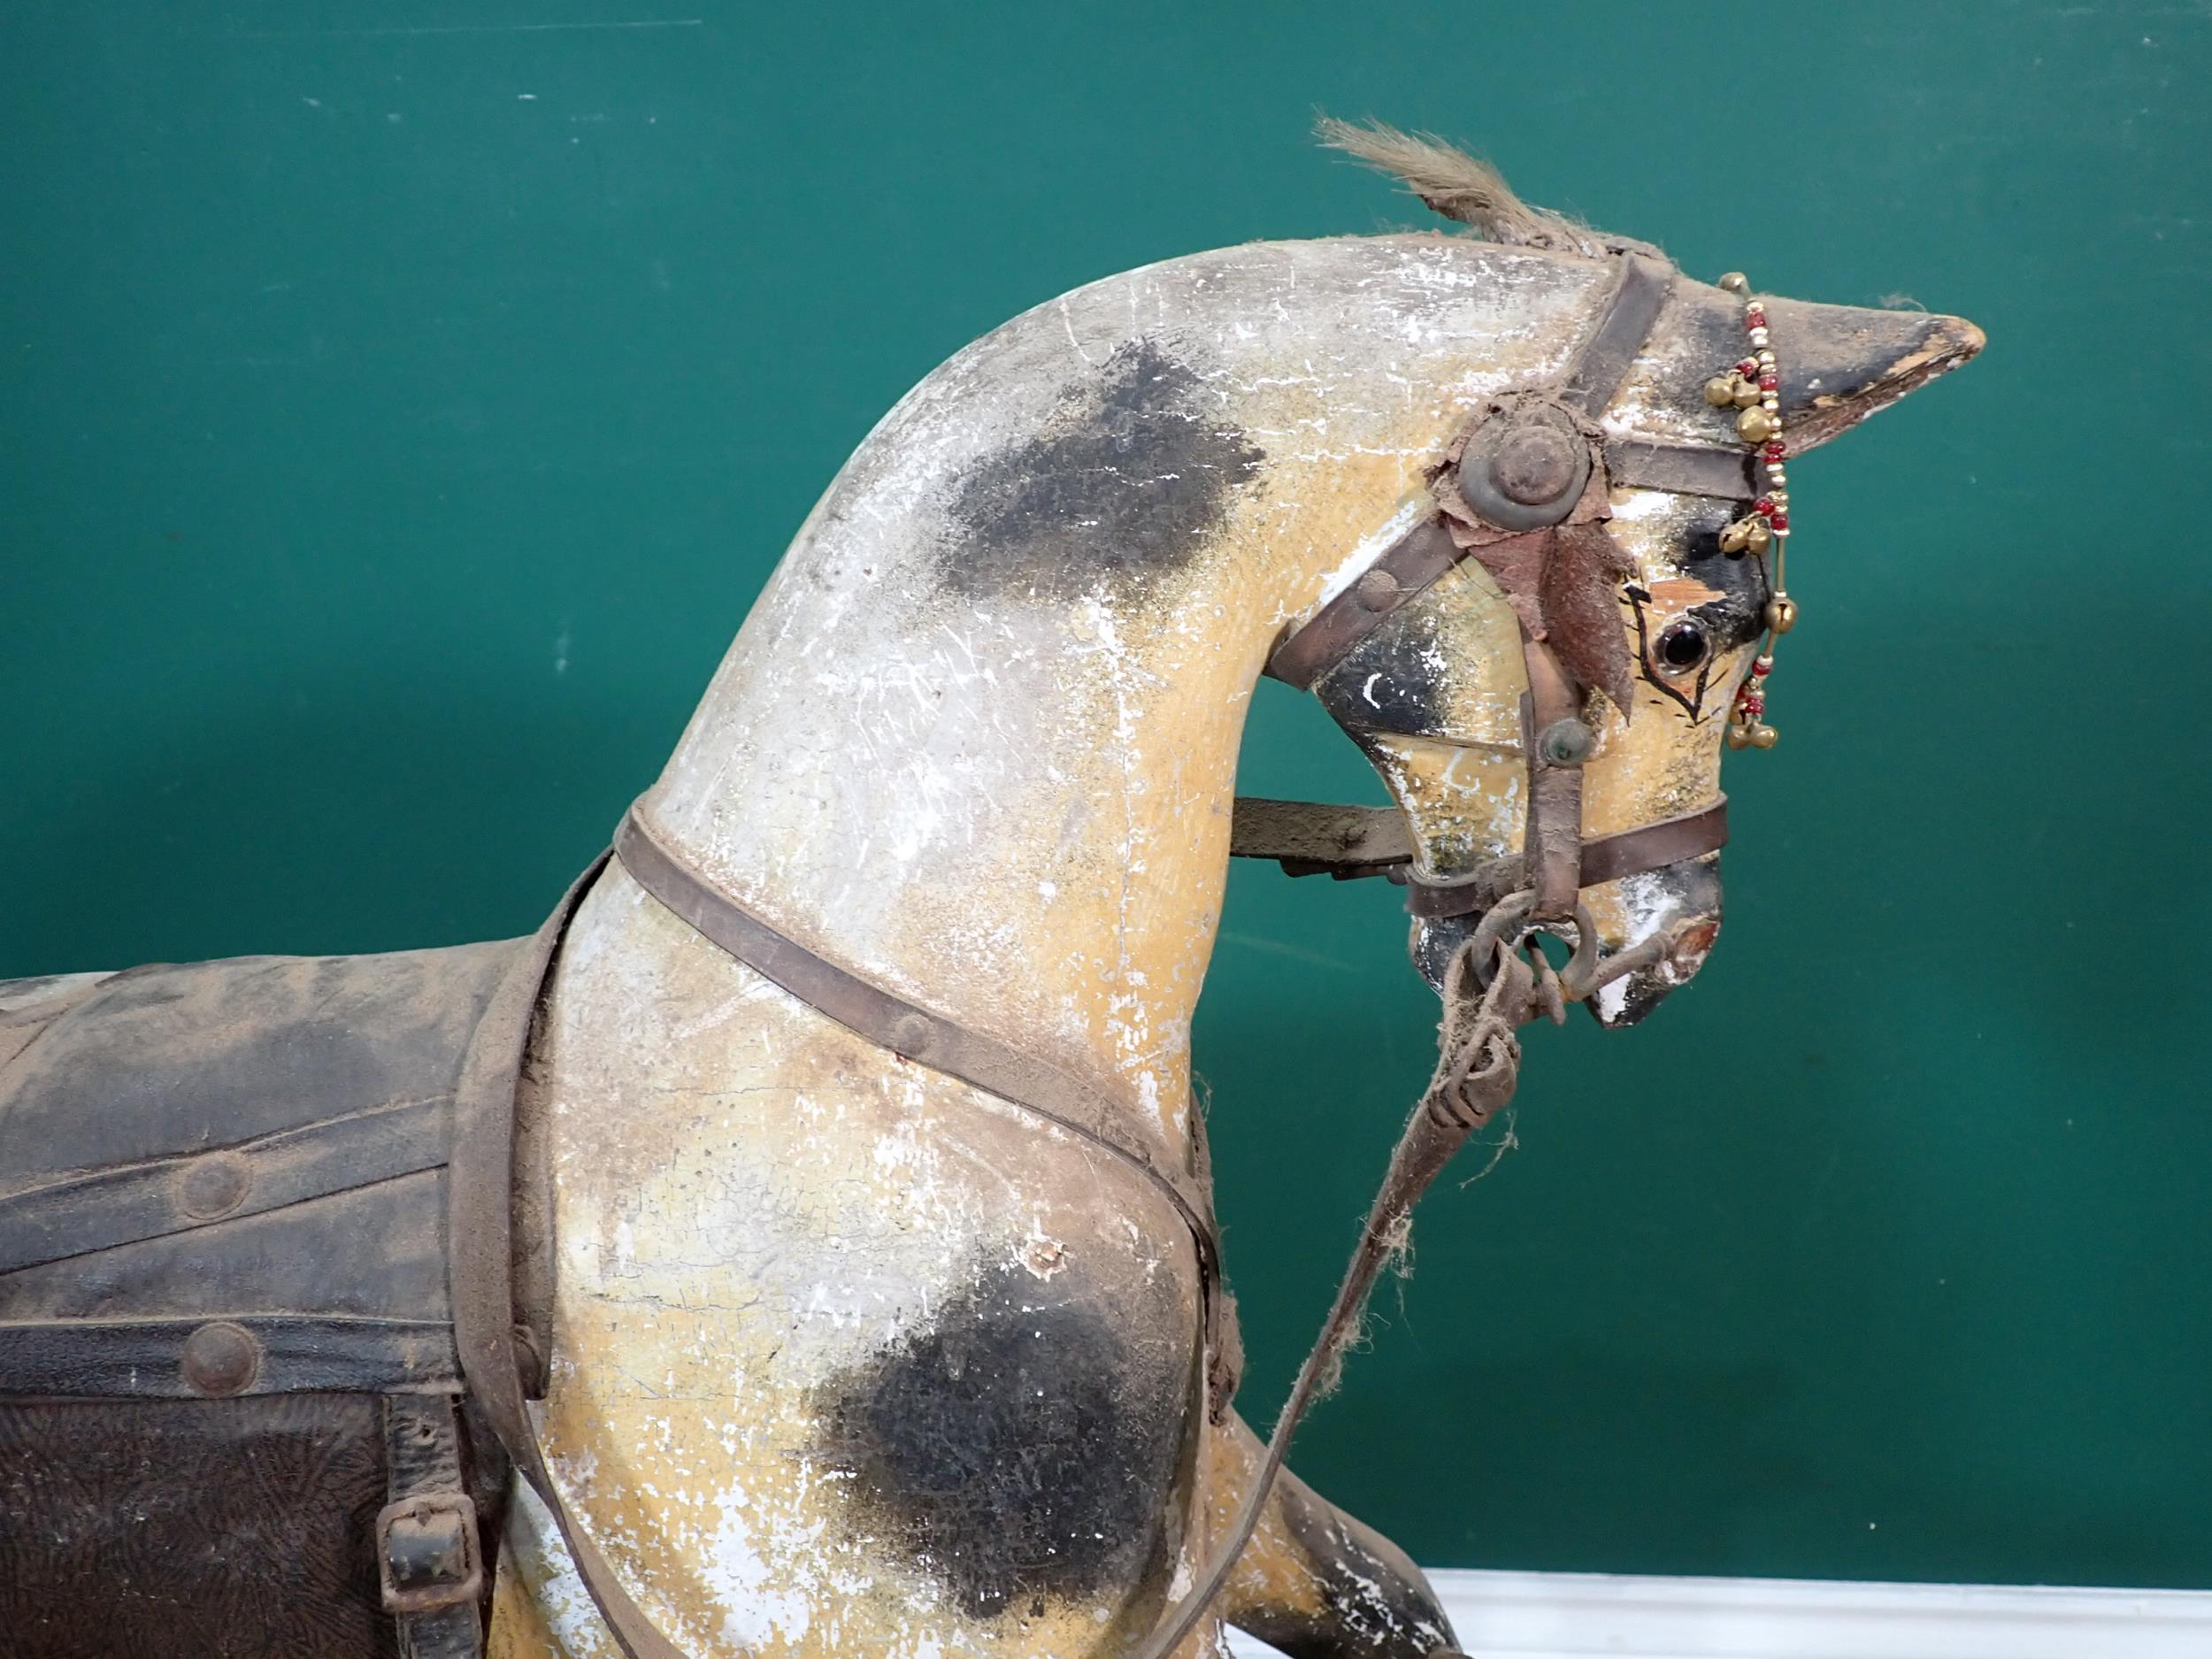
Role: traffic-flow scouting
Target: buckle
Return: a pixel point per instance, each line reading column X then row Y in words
column 427, row 1556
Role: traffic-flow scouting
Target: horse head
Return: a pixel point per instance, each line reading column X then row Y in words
column 1610, row 522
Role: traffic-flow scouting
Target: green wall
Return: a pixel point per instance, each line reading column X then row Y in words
column 401, row 404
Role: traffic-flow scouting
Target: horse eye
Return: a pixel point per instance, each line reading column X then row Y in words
column 1684, row 646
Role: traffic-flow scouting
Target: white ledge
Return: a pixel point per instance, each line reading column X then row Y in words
column 1599, row 1615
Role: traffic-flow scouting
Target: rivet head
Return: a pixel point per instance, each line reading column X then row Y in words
column 912, row 1034
column 1376, row 591
column 1567, row 742
column 221, row 1358
column 1535, row 465
column 213, row 1185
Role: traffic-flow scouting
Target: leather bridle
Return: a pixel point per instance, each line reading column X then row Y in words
column 1533, row 459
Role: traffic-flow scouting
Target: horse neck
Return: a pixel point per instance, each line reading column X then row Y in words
column 978, row 741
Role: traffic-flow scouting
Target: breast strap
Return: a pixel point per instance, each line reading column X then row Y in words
column 480, row 1215
column 914, row 1032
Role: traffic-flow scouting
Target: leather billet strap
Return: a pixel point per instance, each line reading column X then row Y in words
column 481, row 1205
column 1679, row 469
column 914, row 1032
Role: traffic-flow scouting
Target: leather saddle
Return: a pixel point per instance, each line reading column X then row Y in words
column 233, row 1418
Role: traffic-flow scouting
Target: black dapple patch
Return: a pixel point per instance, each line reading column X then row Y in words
column 1132, row 471
column 1020, row 1448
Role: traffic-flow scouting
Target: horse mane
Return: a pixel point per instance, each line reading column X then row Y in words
column 1465, row 188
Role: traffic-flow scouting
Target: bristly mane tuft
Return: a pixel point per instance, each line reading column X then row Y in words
column 1461, row 186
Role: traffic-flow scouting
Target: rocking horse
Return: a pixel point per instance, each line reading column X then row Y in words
column 803, row 1245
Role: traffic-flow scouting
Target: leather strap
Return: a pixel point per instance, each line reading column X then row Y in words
column 1680, row 469
column 1631, row 310
column 1552, row 847
column 154, row 1198
column 480, row 1223
column 1406, row 568
column 1607, row 858
column 1478, row 1069
column 1308, row 838
column 430, row 1553
column 916, row 1034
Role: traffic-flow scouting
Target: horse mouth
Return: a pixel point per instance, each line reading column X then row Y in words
column 1672, row 917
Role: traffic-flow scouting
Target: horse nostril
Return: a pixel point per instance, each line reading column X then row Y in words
column 1694, row 944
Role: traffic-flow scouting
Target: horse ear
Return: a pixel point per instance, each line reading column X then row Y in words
column 1837, row 363
column 1841, row 363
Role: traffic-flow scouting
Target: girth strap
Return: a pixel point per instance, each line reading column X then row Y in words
column 480, row 1225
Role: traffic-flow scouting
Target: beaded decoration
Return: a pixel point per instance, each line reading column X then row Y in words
column 1754, row 389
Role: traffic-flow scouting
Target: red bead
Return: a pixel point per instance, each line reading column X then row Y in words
column 1764, row 505
column 1779, row 520
column 1754, row 706
column 1767, row 383
column 1776, row 449
column 1747, row 367
column 1756, row 317
column 1760, row 670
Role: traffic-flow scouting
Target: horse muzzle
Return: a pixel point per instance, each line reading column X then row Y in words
column 1649, row 932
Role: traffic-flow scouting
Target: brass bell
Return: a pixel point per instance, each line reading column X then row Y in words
column 1755, row 425
column 1763, row 735
column 1781, row 614
column 1758, row 537
column 1720, row 391
column 1746, row 394
column 1735, row 282
column 1739, row 738
column 1735, row 537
